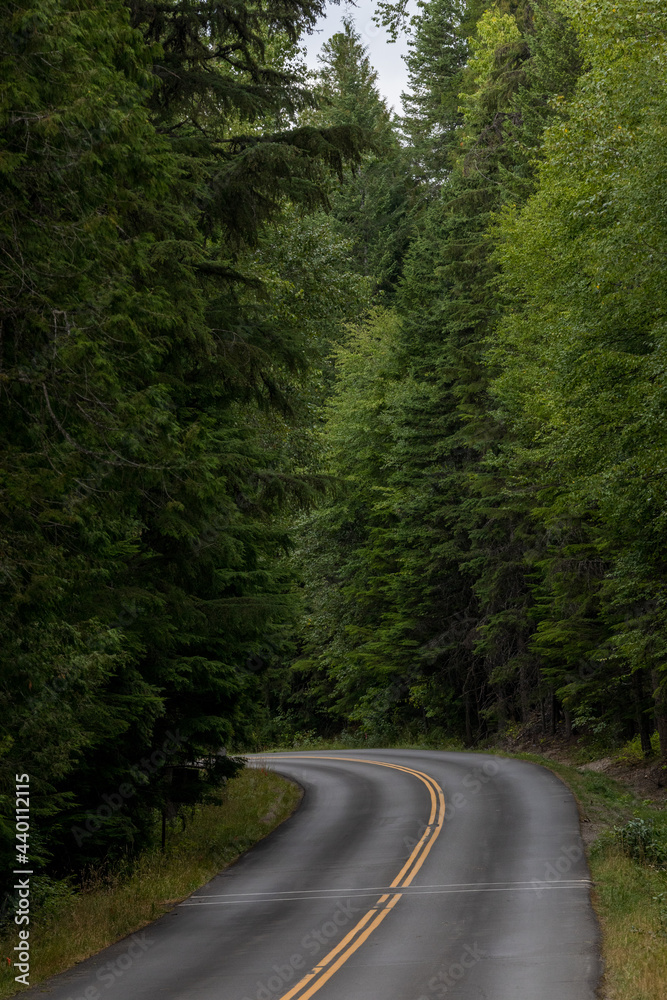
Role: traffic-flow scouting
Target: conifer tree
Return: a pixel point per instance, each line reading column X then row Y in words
column 153, row 362
column 372, row 207
column 444, row 564
column 579, row 355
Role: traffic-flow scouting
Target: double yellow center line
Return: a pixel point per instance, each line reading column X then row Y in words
column 362, row 930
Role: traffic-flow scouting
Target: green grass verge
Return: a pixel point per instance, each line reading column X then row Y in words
column 254, row 803
column 631, row 902
column 630, row 895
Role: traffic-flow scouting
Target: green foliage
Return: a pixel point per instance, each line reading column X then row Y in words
column 338, row 670
column 480, row 578
column 433, row 629
column 580, row 359
column 639, row 840
column 436, row 58
column 632, row 751
column 371, row 207
column 154, row 401
column 463, row 363
column 492, row 58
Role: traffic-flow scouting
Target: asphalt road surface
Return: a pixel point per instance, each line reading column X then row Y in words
column 404, row 875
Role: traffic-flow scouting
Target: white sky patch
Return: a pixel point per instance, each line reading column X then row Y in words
column 385, row 56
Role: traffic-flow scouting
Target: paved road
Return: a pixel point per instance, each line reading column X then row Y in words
column 404, row 875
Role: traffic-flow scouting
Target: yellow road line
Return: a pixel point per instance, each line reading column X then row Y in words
column 326, row 975
column 333, row 960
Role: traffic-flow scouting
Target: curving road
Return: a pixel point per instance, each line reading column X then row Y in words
column 404, row 875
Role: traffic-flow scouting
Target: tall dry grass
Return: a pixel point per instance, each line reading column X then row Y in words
column 119, row 902
column 631, row 901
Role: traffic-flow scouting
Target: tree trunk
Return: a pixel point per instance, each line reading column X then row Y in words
column 642, row 715
column 523, row 691
column 554, row 713
column 660, row 698
column 501, row 712
column 568, row 723
column 468, row 721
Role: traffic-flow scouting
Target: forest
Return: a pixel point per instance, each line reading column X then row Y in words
column 315, row 417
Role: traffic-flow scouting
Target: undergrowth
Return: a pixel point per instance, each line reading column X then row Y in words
column 71, row 926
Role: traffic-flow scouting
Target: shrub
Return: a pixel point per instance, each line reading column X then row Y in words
column 639, row 840
column 632, row 753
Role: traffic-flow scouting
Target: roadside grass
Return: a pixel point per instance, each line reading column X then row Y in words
column 626, row 840
column 627, row 853
column 116, row 904
column 629, row 871
column 631, row 903
column 630, row 894
column 389, row 739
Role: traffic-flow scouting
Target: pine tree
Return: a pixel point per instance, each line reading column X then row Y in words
column 442, row 572
column 580, row 356
column 437, row 55
column 153, row 363
column 372, row 206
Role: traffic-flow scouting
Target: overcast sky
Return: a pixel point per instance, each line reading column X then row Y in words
column 385, row 56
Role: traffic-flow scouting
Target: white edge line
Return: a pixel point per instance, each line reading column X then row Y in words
column 537, row 887
column 388, row 888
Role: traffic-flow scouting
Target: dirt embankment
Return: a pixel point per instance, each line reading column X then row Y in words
column 645, row 779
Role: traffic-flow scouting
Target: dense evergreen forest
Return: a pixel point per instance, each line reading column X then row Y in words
column 315, row 417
